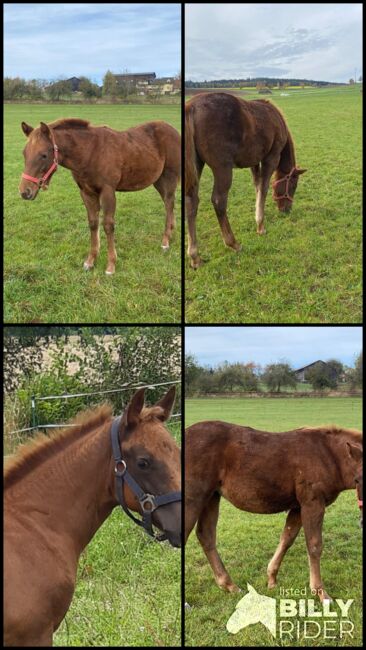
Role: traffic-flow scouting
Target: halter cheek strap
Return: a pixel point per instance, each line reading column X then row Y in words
column 148, row 502
column 41, row 181
column 286, row 178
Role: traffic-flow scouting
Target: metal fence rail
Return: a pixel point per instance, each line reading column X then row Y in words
column 123, row 388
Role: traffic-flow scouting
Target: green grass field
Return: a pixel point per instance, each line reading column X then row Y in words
column 247, row 541
column 307, row 268
column 46, row 241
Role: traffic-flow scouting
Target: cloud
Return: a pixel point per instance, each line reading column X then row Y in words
column 55, row 40
column 319, row 41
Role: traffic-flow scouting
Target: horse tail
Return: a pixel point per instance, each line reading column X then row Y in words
column 190, row 165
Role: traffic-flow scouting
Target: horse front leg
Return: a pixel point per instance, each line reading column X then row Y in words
column 288, row 536
column 206, row 533
column 108, row 203
column 263, row 179
column 91, row 202
column 312, row 516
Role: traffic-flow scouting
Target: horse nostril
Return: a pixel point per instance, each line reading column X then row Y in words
column 27, row 194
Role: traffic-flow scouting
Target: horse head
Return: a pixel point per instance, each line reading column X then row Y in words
column 284, row 188
column 41, row 160
column 152, row 458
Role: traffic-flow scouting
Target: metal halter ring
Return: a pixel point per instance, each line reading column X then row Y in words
column 148, row 499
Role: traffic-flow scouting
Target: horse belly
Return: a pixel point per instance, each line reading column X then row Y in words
column 255, row 497
column 137, row 175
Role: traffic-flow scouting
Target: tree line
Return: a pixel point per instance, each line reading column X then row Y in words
column 251, row 377
column 270, row 82
column 40, row 89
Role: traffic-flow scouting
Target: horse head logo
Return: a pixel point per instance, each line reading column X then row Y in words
column 253, row 608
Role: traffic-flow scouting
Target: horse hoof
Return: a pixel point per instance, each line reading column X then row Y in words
column 196, row 263
column 87, row 266
column 109, row 272
column 165, row 247
column 262, row 231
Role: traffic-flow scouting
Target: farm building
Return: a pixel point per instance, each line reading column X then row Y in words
column 75, row 83
column 300, row 373
column 135, row 79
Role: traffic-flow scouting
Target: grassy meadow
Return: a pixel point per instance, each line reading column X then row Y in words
column 47, row 240
column 307, row 268
column 246, row 541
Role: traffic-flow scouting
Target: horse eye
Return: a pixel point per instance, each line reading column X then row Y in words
column 44, row 155
column 142, row 463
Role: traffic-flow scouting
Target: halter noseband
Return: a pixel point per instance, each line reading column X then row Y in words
column 41, row 181
column 286, row 178
column 148, row 502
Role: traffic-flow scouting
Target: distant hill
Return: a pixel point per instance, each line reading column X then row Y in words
column 270, row 82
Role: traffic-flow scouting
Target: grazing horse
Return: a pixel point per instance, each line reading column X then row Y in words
column 300, row 471
column 58, row 492
column 102, row 162
column 225, row 132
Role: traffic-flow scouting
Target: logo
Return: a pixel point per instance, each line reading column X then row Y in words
column 293, row 619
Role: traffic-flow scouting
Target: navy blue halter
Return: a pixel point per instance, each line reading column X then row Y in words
column 148, row 502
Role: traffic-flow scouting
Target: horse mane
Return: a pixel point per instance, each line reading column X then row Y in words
column 32, row 453
column 334, row 429
column 150, row 413
column 69, row 123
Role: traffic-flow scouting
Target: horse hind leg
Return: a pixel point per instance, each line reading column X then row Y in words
column 222, row 183
column 288, row 536
column 206, row 533
column 166, row 185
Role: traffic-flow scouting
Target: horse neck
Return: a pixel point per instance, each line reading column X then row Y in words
column 72, row 492
column 72, row 153
column 346, row 465
column 287, row 159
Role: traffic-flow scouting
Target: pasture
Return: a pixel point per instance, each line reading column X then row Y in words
column 307, row 268
column 46, row 241
column 247, row 541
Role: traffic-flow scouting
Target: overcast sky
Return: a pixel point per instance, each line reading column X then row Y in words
column 49, row 41
column 313, row 41
column 296, row 345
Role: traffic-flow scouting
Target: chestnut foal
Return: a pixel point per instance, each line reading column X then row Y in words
column 59, row 491
column 102, row 162
column 224, row 132
column 301, row 471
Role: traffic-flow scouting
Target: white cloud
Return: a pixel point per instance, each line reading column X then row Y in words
column 318, row 41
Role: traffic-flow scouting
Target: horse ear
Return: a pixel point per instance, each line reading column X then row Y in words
column 45, row 129
column 354, row 452
column 26, row 128
column 300, row 171
column 166, row 403
column 132, row 412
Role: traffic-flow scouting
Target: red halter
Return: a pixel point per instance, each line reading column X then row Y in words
column 286, row 178
column 41, row 181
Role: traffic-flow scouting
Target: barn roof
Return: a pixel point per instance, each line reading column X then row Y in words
column 310, row 365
